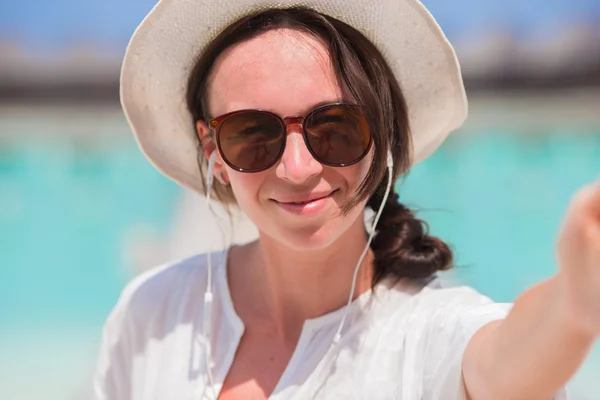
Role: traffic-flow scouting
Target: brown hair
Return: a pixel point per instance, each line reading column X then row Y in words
column 402, row 247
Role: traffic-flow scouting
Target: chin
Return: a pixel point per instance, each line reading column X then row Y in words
column 309, row 239
column 310, row 236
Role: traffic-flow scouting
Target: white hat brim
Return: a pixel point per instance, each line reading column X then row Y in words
column 163, row 49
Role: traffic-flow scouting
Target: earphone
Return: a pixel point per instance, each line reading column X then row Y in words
column 208, row 297
column 390, row 170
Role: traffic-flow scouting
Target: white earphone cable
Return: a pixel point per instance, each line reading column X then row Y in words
column 390, row 169
column 208, row 296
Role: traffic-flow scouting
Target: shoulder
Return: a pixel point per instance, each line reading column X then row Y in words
column 437, row 295
column 436, row 308
column 157, row 304
column 442, row 296
column 164, row 289
column 455, row 315
column 461, row 309
column 161, row 282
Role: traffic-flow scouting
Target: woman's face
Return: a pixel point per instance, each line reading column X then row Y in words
column 297, row 201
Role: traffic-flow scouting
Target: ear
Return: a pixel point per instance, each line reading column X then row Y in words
column 208, row 146
column 208, row 141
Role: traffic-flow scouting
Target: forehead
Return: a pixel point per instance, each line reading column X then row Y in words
column 284, row 71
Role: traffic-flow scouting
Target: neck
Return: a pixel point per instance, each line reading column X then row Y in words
column 280, row 288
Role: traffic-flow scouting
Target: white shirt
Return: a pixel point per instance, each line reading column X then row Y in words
column 401, row 341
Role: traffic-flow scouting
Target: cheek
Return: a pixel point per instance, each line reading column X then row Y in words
column 355, row 174
column 245, row 186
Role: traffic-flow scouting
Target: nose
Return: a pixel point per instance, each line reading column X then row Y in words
column 297, row 165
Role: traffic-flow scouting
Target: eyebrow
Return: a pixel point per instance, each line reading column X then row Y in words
column 304, row 112
column 320, row 104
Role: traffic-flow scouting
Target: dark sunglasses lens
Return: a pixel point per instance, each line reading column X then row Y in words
column 338, row 134
column 251, row 140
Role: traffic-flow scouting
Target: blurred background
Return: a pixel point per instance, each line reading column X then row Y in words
column 82, row 211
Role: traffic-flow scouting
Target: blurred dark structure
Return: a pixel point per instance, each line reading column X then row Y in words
column 71, row 51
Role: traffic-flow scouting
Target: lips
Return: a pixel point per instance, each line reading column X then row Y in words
column 304, row 199
column 305, row 205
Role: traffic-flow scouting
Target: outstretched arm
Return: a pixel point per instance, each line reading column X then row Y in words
column 551, row 328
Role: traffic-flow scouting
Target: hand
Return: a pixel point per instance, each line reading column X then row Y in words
column 579, row 259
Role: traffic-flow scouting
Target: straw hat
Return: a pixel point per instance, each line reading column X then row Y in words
column 163, row 49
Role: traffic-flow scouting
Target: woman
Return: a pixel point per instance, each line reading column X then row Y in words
column 303, row 117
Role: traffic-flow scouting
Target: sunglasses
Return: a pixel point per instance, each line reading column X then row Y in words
column 336, row 135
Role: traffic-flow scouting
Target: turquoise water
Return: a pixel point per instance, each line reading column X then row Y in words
column 499, row 199
column 64, row 215
column 68, row 206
